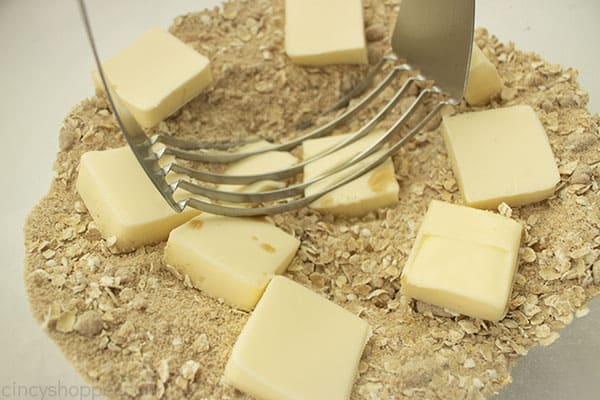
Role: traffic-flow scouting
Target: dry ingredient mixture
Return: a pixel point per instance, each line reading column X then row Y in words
column 133, row 329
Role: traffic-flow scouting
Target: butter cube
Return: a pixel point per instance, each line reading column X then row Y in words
column 259, row 164
column 463, row 259
column 155, row 76
column 484, row 81
column 501, row 155
column 230, row 258
column 297, row 345
column 322, row 32
column 377, row 188
column 123, row 201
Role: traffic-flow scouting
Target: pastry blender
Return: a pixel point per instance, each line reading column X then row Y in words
column 434, row 39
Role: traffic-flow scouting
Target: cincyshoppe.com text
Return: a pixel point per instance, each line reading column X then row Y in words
column 48, row 392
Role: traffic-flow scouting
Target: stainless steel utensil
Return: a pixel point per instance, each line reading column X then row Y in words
column 433, row 36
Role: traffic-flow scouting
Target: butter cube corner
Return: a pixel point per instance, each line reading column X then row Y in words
column 322, row 32
column 500, row 155
column 375, row 189
column 262, row 163
column 297, row 345
column 123, row 201
column 484, row 81
column 463, row 259
column 230, row 258
column 155, row 76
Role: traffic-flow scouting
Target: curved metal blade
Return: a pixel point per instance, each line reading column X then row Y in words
column 436, row 36
column 140, row 144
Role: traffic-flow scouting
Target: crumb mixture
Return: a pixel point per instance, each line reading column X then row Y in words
column 133, row 329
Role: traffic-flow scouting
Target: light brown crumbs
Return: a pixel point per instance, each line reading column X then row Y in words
column 267, row 247
column 196, row 224
column 133, row 329
column 380, row 179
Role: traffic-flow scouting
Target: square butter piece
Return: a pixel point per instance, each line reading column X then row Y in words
column 484, row 81
column 259, row 164
column 463, row 259
column 322, row 32
column 230, row 258
column 377, row 188
column 297, row 345
column 123, row 201
column 156, row 75
column 501, row 155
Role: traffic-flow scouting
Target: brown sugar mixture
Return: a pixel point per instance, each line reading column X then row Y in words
column 133, row 329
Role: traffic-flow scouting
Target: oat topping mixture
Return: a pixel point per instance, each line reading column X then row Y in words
column 133, row 329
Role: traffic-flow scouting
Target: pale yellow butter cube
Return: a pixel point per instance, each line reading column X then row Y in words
column 377, row 188
column 463, row 259
column 123, row 201
column 297, row 345
column 230, row 258
column 156, row 75
column 484, row 81
column 259, row 164
column 501, row 155
column 322, row 32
